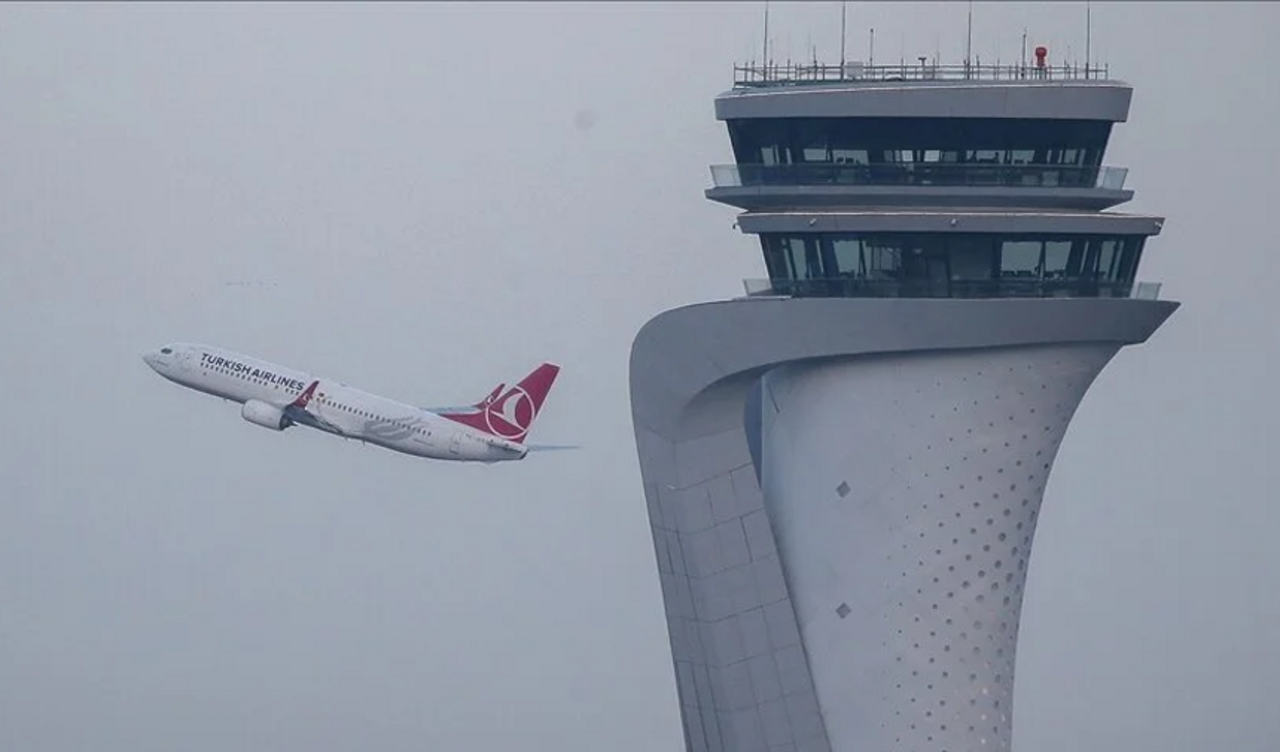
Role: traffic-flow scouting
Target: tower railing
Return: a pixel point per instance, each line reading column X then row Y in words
column 919, row 174
column 799, row 74
column 851, row 287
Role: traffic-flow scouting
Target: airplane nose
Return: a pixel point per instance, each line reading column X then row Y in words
column 149, row 358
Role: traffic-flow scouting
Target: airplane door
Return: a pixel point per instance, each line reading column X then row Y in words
column 185, row 360
column 455, row 442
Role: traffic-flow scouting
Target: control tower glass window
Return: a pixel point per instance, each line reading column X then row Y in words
column 948, row 140
column 925, row 151
column 951, row 265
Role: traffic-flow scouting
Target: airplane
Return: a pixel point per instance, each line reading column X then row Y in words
column 491, row 430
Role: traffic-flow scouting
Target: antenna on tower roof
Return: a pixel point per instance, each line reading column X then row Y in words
column 843, row 11
column 766, row 38
column 1022, row 63
column 1088, row 32
column 968, row 45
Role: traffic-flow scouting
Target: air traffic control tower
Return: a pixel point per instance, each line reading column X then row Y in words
column 844, row 467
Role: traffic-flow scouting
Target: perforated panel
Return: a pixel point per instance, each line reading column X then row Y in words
column 904, row 493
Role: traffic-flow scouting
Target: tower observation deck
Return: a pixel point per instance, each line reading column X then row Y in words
column 844, row 467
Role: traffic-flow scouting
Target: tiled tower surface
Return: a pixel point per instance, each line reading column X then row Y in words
column 844, row 468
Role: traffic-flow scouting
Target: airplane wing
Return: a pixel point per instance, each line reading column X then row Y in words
column 297, row 412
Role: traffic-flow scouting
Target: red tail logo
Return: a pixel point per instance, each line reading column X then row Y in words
column 511, row 415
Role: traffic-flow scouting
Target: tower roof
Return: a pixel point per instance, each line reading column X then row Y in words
column 924, row 90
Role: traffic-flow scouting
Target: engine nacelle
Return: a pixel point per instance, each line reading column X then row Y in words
column 262, row 414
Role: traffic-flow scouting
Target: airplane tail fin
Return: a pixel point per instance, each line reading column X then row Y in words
column 511, row 414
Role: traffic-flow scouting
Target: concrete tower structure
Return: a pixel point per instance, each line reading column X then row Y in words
column 844, row 467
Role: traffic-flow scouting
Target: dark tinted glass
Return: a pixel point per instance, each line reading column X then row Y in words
column 952, row 264
column 993, row 141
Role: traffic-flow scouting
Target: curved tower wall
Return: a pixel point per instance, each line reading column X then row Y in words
column 903, row 492
column 750, row 649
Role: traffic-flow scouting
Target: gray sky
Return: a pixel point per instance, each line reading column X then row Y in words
column 426, row 199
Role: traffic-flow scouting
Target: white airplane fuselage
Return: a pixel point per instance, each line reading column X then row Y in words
column 266, row 391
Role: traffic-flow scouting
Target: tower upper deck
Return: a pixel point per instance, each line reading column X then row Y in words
column 911, row 135
column 931, row 180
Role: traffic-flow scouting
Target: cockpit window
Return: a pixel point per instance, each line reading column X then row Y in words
column 166, row 351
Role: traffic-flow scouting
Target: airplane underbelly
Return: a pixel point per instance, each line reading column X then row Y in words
column 407, row 445
column 400, row 437
column 423, row 445
column 208, row 386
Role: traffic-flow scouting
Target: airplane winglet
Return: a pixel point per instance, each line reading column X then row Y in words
column 305, row 398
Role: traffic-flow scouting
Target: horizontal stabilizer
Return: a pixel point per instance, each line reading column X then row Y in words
column 550, row 447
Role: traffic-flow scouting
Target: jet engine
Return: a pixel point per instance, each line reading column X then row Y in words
column 262, row 414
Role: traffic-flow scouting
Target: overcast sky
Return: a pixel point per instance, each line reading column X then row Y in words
column 423, row 200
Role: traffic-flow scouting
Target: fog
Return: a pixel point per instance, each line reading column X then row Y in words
column 425, row 199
